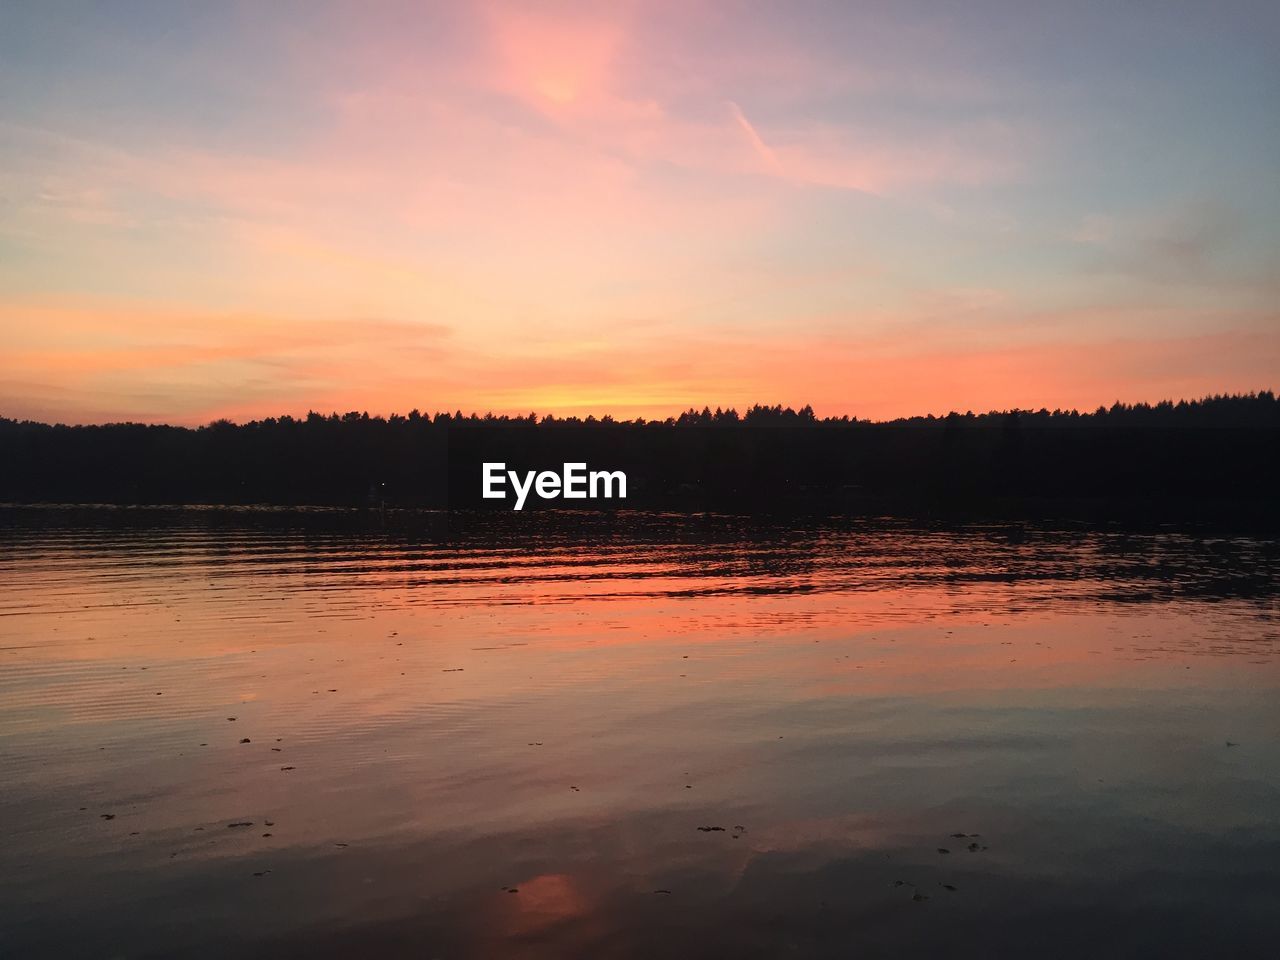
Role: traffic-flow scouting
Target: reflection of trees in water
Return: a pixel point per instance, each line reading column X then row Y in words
column 636, row 554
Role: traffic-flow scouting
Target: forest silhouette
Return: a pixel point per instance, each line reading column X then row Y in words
column 1209, row 458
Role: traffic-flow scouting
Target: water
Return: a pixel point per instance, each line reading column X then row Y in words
column 501, row 739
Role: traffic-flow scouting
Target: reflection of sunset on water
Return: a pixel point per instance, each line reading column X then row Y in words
column 544, row 901
column 432, row 721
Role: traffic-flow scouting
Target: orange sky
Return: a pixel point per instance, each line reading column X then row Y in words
column 877, row 209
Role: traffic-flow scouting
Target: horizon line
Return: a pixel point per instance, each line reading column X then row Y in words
column 804, row 412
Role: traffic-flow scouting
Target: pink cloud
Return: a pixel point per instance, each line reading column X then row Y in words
column 156, row 365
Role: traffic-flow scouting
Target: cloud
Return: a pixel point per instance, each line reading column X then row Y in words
column 767, row 156
column 162, row 366
column 612, row 206
column 1187, row 242
column 155, row 363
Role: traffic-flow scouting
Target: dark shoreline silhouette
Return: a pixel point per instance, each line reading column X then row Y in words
column 1209, row 459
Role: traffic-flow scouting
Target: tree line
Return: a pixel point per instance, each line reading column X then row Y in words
column 1187, row 457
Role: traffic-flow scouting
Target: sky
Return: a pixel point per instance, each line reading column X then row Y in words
column 881, row 209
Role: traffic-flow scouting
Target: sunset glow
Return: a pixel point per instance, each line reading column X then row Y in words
column 879, row 209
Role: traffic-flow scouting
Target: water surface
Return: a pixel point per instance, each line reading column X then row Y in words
column 284, row 734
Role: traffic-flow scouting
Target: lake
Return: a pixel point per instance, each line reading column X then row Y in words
column 291, row 733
